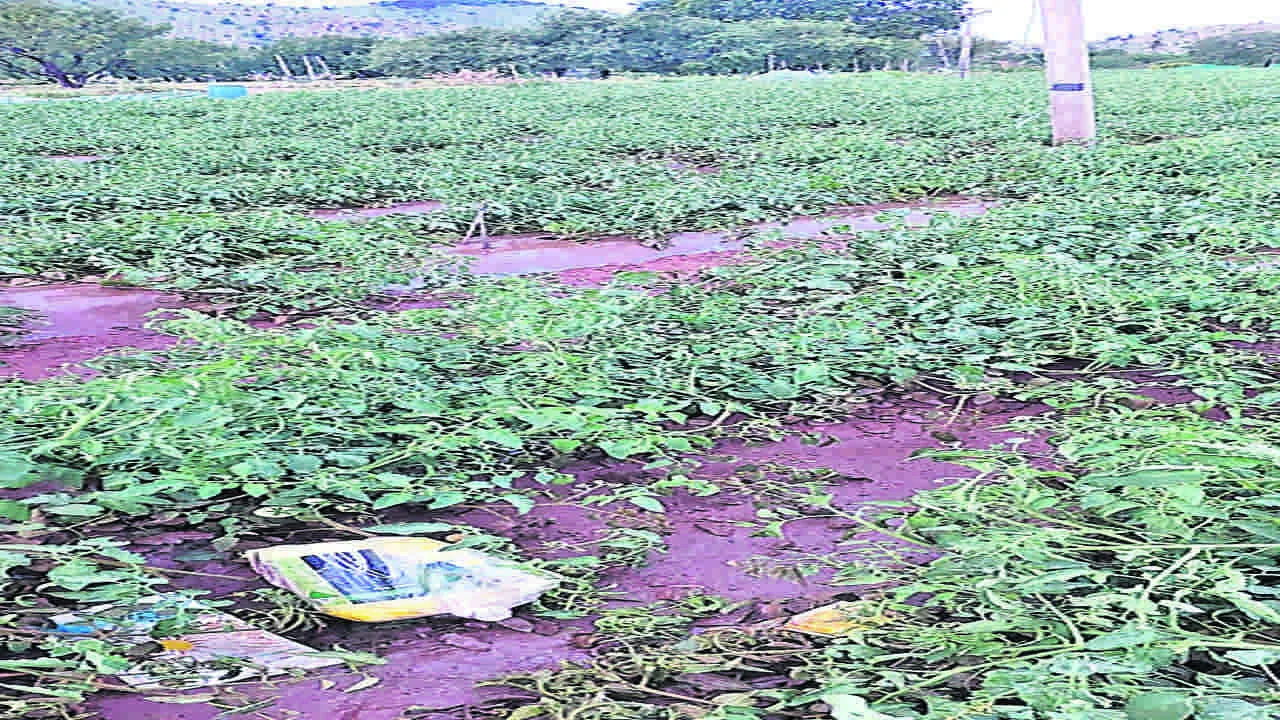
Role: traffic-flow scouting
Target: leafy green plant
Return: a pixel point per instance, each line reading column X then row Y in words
column 1101, row 274
column 1137, row 586
column 12, row 322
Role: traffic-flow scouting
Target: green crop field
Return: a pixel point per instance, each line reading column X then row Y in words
column 1129, row 569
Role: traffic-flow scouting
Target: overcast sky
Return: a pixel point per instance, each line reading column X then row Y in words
column 1018, row 19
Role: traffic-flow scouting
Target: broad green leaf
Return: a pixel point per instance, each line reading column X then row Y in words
column 522, row 503
column 566, row 445
column 647, row 502
column 1255, row 608
column 74, row 510
column 502, row 437
column 447, row 498
column 393, row 499
column 1254, row 658
column 13, row 510
column 16, row 472
column 622, row 449
column 1123, row 638
column 1220, row 708
column 812, row 372
column 303, row 464
column 1160, row 705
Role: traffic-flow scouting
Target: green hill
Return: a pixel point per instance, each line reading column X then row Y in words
column 1179, row 40
column 239, row 24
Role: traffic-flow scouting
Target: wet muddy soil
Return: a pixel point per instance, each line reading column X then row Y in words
column 714, row 546
column 700, row 169
column 533, row 254
column 82, row 321
column 77, row 322
column 1263, row 259
column 78, row 159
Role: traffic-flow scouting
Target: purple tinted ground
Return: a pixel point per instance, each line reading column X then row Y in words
column 84, row 320
column 596, row 260
column 434, row 664
column 79, row 322
column 709, row 549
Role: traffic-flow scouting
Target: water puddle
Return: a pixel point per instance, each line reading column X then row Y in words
column 357, row 214
column 531, row 254
column 78, row 322
column 682, row 166
column 528, row 254
column 77, row 159
column 864, row 218
column 83, row 309
column 1261, row 260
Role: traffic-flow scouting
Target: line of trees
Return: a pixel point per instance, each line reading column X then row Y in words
column 874, row 18
column 649, row 42
column 74, row 45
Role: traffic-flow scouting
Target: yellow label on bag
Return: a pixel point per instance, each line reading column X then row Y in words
column 383, row 579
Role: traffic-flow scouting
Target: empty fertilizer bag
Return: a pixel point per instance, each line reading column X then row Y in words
column 382, row 579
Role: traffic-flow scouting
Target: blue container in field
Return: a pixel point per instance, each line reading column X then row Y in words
column 227, row 92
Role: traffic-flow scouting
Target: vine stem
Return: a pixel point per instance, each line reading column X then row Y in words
column 1145, row 597
column 80, row 424
column 343, row 527
column 1076, row 636
column 663, row 693
column 942, row 677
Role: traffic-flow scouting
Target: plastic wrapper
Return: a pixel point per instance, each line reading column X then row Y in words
column 213, row 647
column 841, row 618
column 383, row 579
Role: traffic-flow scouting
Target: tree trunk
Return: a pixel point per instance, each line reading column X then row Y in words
column 284, row 67
column 48, row 69
column 60, row 77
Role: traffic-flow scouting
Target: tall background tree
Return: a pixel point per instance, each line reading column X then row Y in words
column 67, row 45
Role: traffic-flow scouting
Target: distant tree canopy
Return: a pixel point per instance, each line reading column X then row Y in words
column 1260, row 49
column 433, row 4
column 646, row 42
column 64, row 44
column 72, row 45
column 180, row 59
column 874, row 18
column 343, row 54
